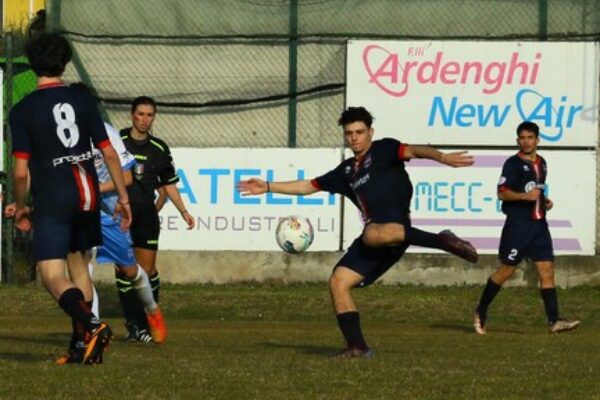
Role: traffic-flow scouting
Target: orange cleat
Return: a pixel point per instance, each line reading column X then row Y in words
column 158, row 328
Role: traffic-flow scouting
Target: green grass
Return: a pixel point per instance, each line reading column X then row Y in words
column 274, row 342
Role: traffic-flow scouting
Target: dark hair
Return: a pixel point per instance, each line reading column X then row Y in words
column 528, row 126
column 48, row 54
column 142, row 100
column 356, row 114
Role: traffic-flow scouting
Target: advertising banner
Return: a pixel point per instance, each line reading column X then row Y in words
column 464, row 200
column 227, row 221
column 476, row 93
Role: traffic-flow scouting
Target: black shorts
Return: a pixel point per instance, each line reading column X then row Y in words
column 525, row 238
column 56, row 234
column 145, row 227
column 370, row 262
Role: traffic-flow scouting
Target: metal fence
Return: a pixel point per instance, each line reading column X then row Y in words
column 263, row 73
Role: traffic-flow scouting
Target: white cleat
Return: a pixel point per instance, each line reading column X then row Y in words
column 479, row 327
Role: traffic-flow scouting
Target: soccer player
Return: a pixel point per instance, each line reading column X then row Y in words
column 52, row 129
column 376, row 181
column 154, row 171
column 525, row 234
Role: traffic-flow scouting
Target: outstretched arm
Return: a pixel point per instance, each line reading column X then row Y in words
column 453, row 159
column 254, row 186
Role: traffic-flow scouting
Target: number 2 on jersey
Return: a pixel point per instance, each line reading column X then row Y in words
column 66, row 128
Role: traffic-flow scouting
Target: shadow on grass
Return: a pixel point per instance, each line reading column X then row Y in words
column 468, row 329
column 23, row 357
column 55, row 339
column 306, row 349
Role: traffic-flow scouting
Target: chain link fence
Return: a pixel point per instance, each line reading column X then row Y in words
column 263, row 73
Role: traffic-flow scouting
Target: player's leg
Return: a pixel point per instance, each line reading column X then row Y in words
column 394, row 234
column 85, row 234
column 79, row 275
column 141, row 283
column 144, row 231
column 513, row 241
column 95, row 298
column 341, row 282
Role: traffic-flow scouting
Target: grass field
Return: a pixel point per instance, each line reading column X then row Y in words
column 274, row 342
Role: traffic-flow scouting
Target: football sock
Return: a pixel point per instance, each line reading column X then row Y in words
column 71, row 301
column 155, row 285
column 349, row 323
column 550, row 298
column 142, row 287
column 422, row 238
column 489, row 292
column 132, row 307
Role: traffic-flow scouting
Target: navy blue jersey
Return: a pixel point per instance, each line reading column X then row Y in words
column 53, row 128
column 522, row 176
column 378, row 183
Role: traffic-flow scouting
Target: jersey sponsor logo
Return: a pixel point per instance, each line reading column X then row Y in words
column 361, row 181
column 525, row 168
column 73, row 159
column 529, row 186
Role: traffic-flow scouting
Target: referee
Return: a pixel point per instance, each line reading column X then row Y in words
column 154, row 171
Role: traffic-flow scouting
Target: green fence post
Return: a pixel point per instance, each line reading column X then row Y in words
column 293, row 74
column 543, row 19
column 7, row 226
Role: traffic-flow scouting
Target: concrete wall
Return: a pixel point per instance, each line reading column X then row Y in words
column 417, row 269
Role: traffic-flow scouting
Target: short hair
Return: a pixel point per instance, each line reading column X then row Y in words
column 142, row 100
column 356, row 114
column 528, row 126
column 48, row 54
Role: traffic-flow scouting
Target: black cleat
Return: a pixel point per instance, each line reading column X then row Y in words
column 99, row 340
column 457, row 246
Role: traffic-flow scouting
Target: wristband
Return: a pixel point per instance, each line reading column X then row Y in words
column 268, row 186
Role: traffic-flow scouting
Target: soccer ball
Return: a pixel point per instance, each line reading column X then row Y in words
column 294, row 234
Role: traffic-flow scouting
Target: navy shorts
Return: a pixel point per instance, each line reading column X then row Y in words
column 370, row 262
column 56, row 235
column 145, row 226
column 525, row 238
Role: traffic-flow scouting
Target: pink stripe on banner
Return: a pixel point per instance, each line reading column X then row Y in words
column 486, row 243
column 480, row 162
column 554, row 223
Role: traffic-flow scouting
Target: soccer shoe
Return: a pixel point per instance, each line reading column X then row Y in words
column 98, row 342
column 457, row 246
column 73, row 356
column 145, row 337
column 563, row 325
column 354, row 352
column 479, row 324
column 158, row 328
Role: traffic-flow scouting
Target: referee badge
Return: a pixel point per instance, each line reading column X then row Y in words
column 138, row 170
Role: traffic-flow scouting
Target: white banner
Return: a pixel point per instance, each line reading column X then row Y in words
column 227, row 221
column 476, row 93
column 464, row 200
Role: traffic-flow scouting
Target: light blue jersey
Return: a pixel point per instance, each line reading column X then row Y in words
column 108, row 200
column 116, row 247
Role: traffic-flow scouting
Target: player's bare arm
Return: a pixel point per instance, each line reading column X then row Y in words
column 20, row 188
column 173, row 193
column 453, row 159
column 111, row 158
column 255, row 186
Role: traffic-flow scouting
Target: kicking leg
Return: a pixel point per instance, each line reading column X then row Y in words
column 492, row 287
